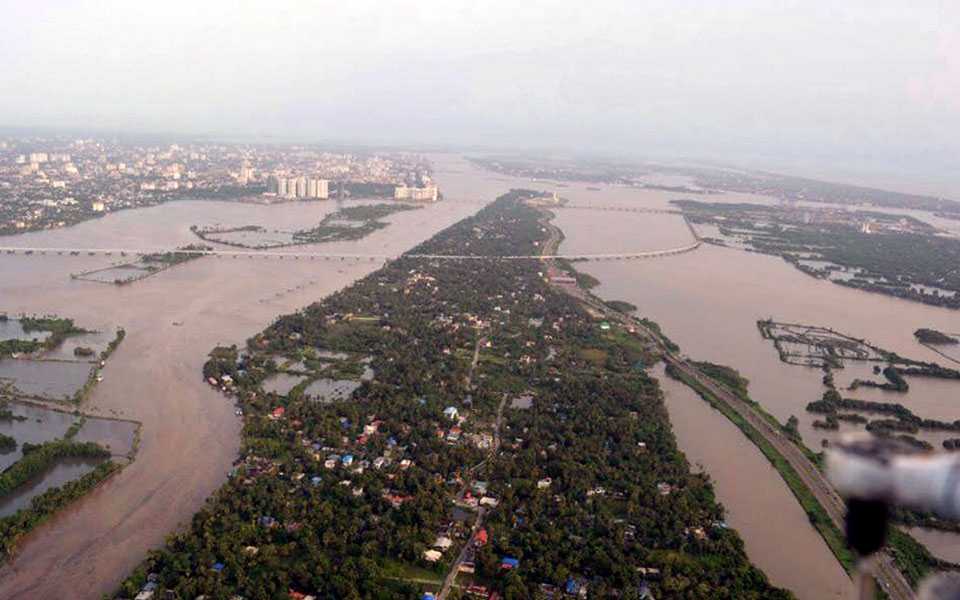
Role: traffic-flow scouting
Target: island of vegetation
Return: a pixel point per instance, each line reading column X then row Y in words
column 51, row 332
column 507, row 444
column 823, row 347
column 38, row 459
column 932, row 336
column 56, row 329
column 145, row 265
column 889, row 254
column 350, row 223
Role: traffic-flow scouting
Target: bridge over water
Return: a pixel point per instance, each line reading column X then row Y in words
column 252, row 253
column 306, row 255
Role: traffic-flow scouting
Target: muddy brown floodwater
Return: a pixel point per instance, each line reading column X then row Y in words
column 708, row 301
column 759, row 504
column 190, row 432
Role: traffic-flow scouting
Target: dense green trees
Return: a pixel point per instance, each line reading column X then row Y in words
column 46, row 504
column 621, row 496
column 37, row 458
column 932, row 336
column 907, row 262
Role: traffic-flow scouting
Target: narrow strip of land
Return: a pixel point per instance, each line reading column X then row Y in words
column 888, row 576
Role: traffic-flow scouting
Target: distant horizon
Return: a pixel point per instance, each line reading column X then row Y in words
column 866, row 176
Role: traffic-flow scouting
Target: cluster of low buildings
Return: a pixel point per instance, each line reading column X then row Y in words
column 55, row 181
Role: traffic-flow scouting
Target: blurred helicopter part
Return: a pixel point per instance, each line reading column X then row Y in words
column 887, row 471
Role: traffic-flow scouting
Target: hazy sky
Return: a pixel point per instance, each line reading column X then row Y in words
column 870, row 83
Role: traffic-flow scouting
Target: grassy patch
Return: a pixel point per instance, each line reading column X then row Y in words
column 594, row 355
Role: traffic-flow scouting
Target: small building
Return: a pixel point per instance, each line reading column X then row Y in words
column 467, row 567
column 432, row 555
column 575, row 587
column 451, row 412
column 509, row 562
column 477, row 590
column 442, row 542
column 481, row 538
column 544, row 483
column 347, row 460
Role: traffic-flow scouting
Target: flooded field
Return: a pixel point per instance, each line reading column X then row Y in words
column 97, row 341
column 64, row 470
column 11, row 329
column 172, row 319
column 328, row 390
column 942, row 544
column 38, row 426
column 251, row 238
column 126, row 272
column 281, row 383
column 114, row 435
column 56, row 380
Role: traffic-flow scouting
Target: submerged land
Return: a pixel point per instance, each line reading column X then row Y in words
column 896, row 255
column 430, row 470
column 31, row 489
column 439, row 403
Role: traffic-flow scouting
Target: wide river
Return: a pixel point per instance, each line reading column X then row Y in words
column 707, row 300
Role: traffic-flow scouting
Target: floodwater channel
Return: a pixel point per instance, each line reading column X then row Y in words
column 708, row 301
column 190, row 434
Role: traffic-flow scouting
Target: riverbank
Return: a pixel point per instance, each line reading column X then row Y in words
column 189, row 436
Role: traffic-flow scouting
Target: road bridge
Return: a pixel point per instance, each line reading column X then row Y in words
column 250, row 253
column 309, row 255
column 593, row 207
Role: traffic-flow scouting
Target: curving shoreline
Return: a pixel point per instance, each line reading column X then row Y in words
column 190, row 435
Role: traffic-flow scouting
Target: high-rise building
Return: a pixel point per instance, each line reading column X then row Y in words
column 318, row 188
column 291, row 187
column 297, row 187
column 421, row 194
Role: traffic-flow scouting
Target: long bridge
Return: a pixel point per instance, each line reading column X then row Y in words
column 307, row 255
column 602, row 208
column 313, row 255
